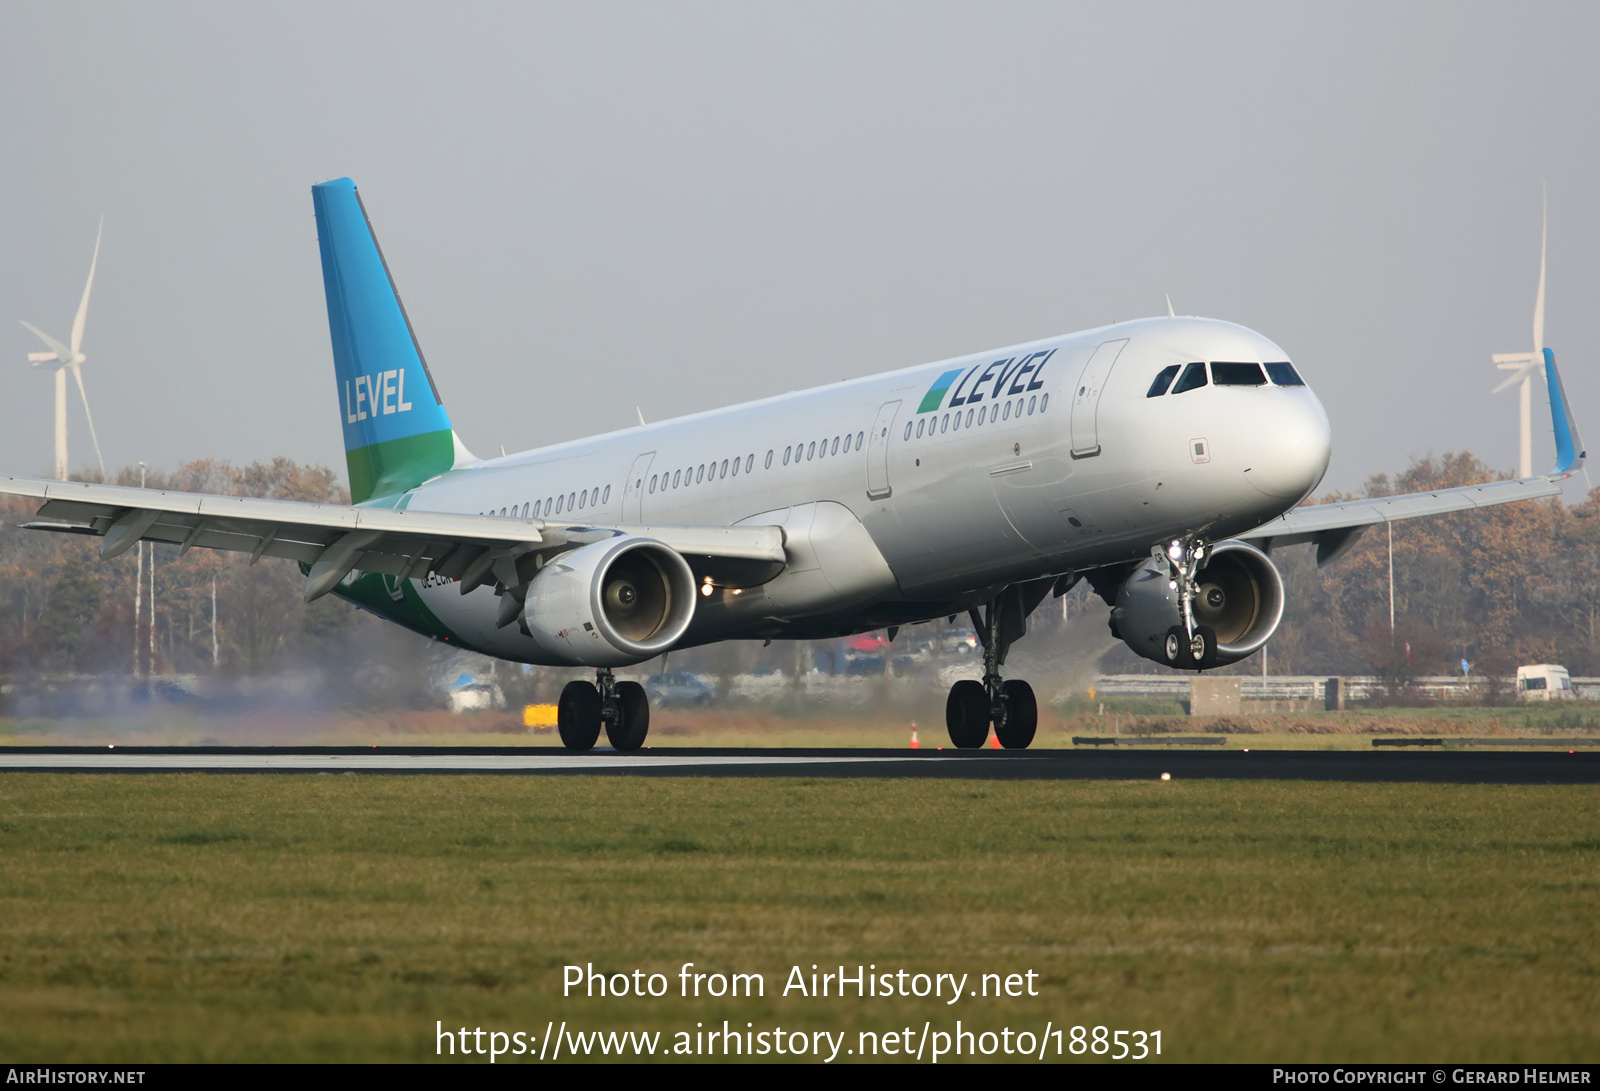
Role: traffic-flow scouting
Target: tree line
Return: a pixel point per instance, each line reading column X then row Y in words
column 1519, row 583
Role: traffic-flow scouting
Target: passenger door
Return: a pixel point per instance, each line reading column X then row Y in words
column 633, row 489
column 1086, row 399
column 878, row 485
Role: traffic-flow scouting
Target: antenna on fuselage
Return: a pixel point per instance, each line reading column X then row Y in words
column 1169, row 304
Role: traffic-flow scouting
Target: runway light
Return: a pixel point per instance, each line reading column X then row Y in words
column 1166, row 776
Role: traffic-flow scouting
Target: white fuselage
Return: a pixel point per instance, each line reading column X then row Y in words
column 900, row 505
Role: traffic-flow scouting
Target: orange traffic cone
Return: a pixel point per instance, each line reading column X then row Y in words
column 915, row 745
column 994, row 742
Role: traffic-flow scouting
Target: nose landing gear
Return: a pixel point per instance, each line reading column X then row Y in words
column 622, row 708
column 1189, row 646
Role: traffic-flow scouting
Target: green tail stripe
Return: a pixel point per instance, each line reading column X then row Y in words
column 395, row 465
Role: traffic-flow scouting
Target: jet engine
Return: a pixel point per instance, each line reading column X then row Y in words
column 1240, row 597
column 610, row 604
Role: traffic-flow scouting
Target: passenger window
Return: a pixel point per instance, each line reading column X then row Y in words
column 969, row 418
column 1044, row 402
column 920, row 423
column 558, row 504
column 724, row 471
column 1007, row 414
column 1030, row 404
column 1163, row 380
column 750, row 462
column 824, row 452
column 583, row 499
column 736, row 466
column 835, row 446
column 1194, row 376
column 536, row 506
column 1284, row 374
column 570, row 498
column 908, row 429
column 768, row 465
column 786, row 456
column 861, row 436
column 605, row 497
column 652, row 483
column 700, row 474
column 677, row 475
column 1237, row 375
column 811, row 451
column 847, row 440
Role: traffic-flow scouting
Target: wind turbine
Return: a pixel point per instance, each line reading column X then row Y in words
column 1528, row 365
column 63, row 359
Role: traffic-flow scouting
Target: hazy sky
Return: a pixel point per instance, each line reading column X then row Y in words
column 593, row 206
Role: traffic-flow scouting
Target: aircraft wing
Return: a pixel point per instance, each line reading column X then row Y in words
column 1335, row 527
column 335, row 539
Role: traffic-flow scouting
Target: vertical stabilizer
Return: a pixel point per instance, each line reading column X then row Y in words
column 396, row 431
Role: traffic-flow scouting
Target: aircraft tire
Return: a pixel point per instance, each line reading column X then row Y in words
column 1205, row 637
column 1175, row 648
column 633, row 717
column 578, row 716
column 966, row 714
column 1016, row 727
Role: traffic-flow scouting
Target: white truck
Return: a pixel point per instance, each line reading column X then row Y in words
column 1544, row 682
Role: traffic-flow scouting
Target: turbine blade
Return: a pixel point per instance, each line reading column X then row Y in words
column 1517, row 377
column 56, row 346
column 83, row 306
column 1538, row 303
column 77, row 373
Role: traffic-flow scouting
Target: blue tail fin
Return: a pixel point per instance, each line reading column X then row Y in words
column 396, row 431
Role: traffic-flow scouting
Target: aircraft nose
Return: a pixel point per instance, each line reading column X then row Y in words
column 1290, row 446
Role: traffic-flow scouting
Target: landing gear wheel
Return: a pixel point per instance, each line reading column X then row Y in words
column 966, row 714
column 1203, row 647
column 578, row 716
column 627, row 732
column 1020, row 720
column 1175, row 648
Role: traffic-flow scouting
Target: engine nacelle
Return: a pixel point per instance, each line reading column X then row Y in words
column 1241, row 598
column 611, row 604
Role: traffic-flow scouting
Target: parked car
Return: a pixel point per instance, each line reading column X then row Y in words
column 1544, row 682
column 677, row 689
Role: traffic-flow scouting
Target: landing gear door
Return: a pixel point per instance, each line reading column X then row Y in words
column 878, row 452
column 1086, row 399
column 633, row 489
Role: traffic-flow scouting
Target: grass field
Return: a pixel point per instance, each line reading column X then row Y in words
column 306, row 918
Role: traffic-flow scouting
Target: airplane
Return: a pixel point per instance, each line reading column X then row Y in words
column 1161, row 460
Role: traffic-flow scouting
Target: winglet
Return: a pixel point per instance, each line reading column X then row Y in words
column 1569, row 445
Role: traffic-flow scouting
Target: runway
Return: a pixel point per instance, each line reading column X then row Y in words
column 1455, row 767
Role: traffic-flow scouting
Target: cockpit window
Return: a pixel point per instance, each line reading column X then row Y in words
column 1164, row 380
column 1194, row 375
column 1237, row 374
column 1284, row 374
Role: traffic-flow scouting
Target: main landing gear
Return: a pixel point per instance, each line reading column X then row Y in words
column 621, row 707
column 1007, row 704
